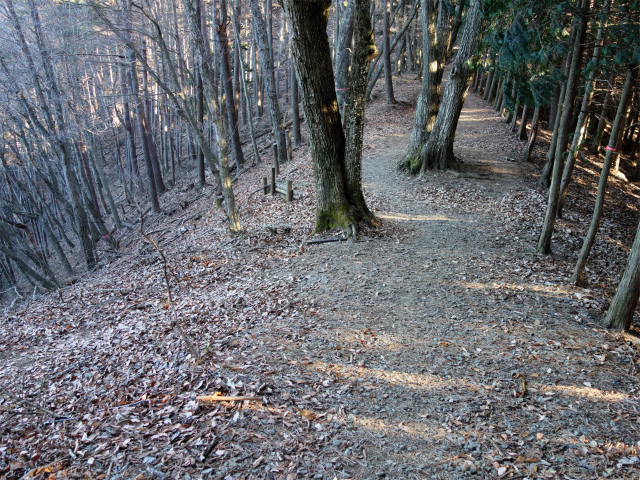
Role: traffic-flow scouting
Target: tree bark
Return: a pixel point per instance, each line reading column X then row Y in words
column 266, row 63
column 343, row 53
column 204, row 63
column 437, row 153
column 533, row 135
column 364, row 51
column 623, row 305
column 312, row 62
column 580, row 128
column 295, row 109
column 388, row 78
column 435, row 49
column 578, row 272
column 580, row 26
column 227, row 83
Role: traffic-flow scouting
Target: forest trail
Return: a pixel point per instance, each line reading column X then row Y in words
column 449, row 357
column 434, row 347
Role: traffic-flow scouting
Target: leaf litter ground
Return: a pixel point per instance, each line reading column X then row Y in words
column 436, row 346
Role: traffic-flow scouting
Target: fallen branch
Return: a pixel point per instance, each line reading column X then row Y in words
column 192, row 349
column 31, row 404
column 325, row 240
column 220, row 398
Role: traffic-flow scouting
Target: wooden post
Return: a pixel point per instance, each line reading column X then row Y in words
column 289, row 149
column 273, row 178
column 289, row 190
column 276, row 164
column 265, row 185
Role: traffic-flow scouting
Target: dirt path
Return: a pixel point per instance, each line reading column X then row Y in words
column 434, row 347
column 428, row 335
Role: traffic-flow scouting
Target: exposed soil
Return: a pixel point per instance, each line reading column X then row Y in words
column 436, row 346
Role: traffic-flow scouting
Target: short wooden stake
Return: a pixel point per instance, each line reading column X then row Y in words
column 289, row 149
column 273, row 179
column 276, row 164
column 265, row 185
column 289, row 190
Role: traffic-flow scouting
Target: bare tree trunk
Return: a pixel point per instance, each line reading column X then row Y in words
column 580, row 128
column 295, row 108
column 578, row 272
column 434, row 44
column 364, row 51
column 602, row 122
column 266, row 63
column 623, row 305
column 533, row 135
column 239, row 87
column 343, row 53
column 103, row 179
column 388, row 78
column 227, row 85
column 437, row 153
column 205, row 64
column 142, row 134
column 545, row 175
column 202, row 177
column 254, row 145
column 312, row 61
column 580, row 26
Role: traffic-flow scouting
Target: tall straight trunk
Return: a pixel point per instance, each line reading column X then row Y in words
column 204, row 63
column 522, row 131
column 266, row 63
column 376, row 67
column 618, row 147
column 85, row 173
column 312, row 62
column 364, row 51
column 578, row 272
column 499, row 101
column 434, row 45
column 343, row 53
column 602, row 122
column 142, row 135
column 295, row 109
column 485, row 69
column 178, row 41
column 545, row 175
column 202, row 177
column 227, row 83
column 491, row 78
column 514, row 118
column 132, row 159
column 239, row 87
column 243, row 87
column 493, row 88
column 533, row 135
column 509, row 117
column 580, row 26
column 96, row 160
column 580, row 128
column 437, row 153
column 388, row 78
column 623, row 305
